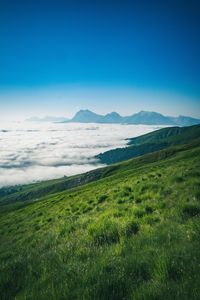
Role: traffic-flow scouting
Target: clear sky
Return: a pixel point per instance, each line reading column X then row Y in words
column 59, row 56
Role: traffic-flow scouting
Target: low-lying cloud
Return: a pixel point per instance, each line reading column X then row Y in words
column 31, row 152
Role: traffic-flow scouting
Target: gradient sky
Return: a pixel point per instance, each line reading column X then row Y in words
column 60, row 56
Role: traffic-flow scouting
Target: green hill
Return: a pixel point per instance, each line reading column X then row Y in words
column 151, row 142
column 128, row 231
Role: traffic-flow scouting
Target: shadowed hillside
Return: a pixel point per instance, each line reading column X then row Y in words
column 151, row 142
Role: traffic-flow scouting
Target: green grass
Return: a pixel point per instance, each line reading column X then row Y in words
column 129, row 231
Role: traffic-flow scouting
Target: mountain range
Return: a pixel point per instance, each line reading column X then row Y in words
column 142, row 117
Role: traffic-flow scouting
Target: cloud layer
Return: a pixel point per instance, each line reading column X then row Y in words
column 32, row 152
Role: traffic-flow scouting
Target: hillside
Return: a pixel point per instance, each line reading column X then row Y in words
column 128, row 231
column 151, row 142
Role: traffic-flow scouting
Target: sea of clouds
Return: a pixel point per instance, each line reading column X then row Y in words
column 31, row 152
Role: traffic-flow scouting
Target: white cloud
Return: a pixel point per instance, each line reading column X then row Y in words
column 38, row 151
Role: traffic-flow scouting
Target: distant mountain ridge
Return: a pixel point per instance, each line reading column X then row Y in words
column 149, row 118
column 185, row 121
column 142, row 117
column 47, row 119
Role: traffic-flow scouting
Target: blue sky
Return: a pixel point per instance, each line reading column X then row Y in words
column 60, row 56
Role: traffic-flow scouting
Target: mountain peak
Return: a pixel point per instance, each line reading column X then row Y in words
column 149, row 118
column 113, row 113
column 84, row 111
column 86, row 116
column 145, row 112
column 185, row 120
column 112, row 117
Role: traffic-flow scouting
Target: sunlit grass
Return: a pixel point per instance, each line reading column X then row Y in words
column 132, row 235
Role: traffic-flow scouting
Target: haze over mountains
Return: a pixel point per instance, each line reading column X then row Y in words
column 142, row 117
column 47, row 119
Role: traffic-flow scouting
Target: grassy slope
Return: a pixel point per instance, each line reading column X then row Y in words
column 169, row 134
column 134, row 234
column 27, row 193
column 151, row 142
